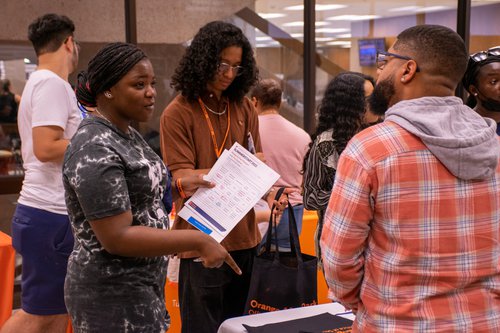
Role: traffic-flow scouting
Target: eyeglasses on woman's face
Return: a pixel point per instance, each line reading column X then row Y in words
column 223, row 68
column 483, row 55
column 383, row 58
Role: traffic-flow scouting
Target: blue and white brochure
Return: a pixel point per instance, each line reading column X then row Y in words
column 241, row 179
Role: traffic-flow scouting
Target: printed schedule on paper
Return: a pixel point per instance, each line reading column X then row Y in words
column 241, row 179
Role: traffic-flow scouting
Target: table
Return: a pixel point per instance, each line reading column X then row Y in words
column 234, row 325
column 7, row 267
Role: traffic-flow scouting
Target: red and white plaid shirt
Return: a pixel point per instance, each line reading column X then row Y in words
column 408, row 245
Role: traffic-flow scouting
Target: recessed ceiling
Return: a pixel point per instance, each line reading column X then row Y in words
column 336, row 16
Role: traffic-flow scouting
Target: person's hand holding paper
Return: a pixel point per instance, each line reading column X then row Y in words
column 241, row 180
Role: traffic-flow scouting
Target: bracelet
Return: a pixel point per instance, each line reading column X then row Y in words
column 178, row 186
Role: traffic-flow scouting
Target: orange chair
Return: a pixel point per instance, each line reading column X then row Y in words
column 7, row 271
column 7, row 264
column 309, row 222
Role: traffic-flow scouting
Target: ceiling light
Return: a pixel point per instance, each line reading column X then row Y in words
column 270, row 44
column 431, row 9
column 301, row 24
column 331, row 30
column 262, row 38
column 318, row 7
column 324, row 39
column 353, row 17
column 339, row 43
column 271, row 15
column 344, row 36
column 404, row 9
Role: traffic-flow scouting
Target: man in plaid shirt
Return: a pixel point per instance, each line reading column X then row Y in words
column 411, row 240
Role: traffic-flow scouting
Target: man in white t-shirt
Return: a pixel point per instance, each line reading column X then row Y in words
column 284, row 145
column 48, row 117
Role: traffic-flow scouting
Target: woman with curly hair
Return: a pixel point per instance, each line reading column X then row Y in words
column 342, row 114
column 210, row 114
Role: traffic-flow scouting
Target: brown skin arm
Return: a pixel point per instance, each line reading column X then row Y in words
column 190, row 183
column 117, row 235
column 180, row 173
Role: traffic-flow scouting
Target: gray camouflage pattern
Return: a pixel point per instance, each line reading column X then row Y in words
column 107, row 172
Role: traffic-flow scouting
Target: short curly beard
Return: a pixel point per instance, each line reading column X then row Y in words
column 382, row 93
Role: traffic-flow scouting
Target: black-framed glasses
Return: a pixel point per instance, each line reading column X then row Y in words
column 483, row 55
column 223, row 68
column 382, row 59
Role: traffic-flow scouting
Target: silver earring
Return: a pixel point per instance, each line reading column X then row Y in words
column 108, row 94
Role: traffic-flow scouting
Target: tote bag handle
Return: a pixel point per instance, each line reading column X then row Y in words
column 292, row 231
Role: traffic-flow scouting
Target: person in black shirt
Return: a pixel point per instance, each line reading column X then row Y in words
column 9, row 103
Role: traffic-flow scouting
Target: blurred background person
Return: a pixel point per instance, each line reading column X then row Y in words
column 9, row 103
column 41, row 232
column 482, row 81
column 284, row 145
column 341, row 114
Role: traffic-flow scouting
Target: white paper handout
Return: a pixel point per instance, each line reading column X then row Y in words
column 241, row 180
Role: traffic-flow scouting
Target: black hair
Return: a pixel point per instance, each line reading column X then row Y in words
column 342, row 109
column 105, row 69
column 471, row 74
column 6, row 85
column 436, row 49
column 268, row 92
column 48, row 32
column 199, row 64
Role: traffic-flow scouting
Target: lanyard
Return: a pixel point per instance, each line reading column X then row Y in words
column 212, row 133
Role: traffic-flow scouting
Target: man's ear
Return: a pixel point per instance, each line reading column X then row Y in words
column 69, row 44
column 409, row 72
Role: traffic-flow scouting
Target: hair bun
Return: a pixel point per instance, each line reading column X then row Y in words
column 83, row 90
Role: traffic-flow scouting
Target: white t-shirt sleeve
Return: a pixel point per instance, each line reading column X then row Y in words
column 50, row 102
